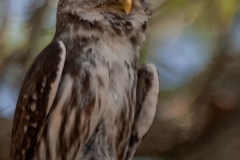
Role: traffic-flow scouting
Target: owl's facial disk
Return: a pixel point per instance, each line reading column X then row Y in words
column 122, row 5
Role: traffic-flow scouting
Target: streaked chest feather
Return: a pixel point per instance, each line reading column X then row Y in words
column 96, row 74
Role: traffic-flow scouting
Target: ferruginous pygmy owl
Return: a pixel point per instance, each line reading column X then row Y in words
column 85, row 97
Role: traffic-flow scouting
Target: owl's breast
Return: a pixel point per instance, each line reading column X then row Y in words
column 113, row 132
column 95, row 102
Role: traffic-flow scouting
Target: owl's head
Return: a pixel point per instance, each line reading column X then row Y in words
column 120, row 7
column 119, row 17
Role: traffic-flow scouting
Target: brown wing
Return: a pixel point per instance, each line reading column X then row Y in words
column 147, row 98
column 35, row 100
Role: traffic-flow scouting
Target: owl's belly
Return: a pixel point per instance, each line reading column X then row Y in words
column 94, row 120
column 111, row 138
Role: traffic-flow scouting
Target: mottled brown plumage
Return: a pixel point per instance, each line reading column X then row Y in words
column 84, row 97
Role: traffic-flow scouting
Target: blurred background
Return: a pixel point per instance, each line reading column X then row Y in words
column 195, row 45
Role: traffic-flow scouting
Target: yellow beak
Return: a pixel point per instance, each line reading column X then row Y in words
column 127, row 6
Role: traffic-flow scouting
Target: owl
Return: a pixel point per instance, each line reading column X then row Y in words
column 85, row 96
